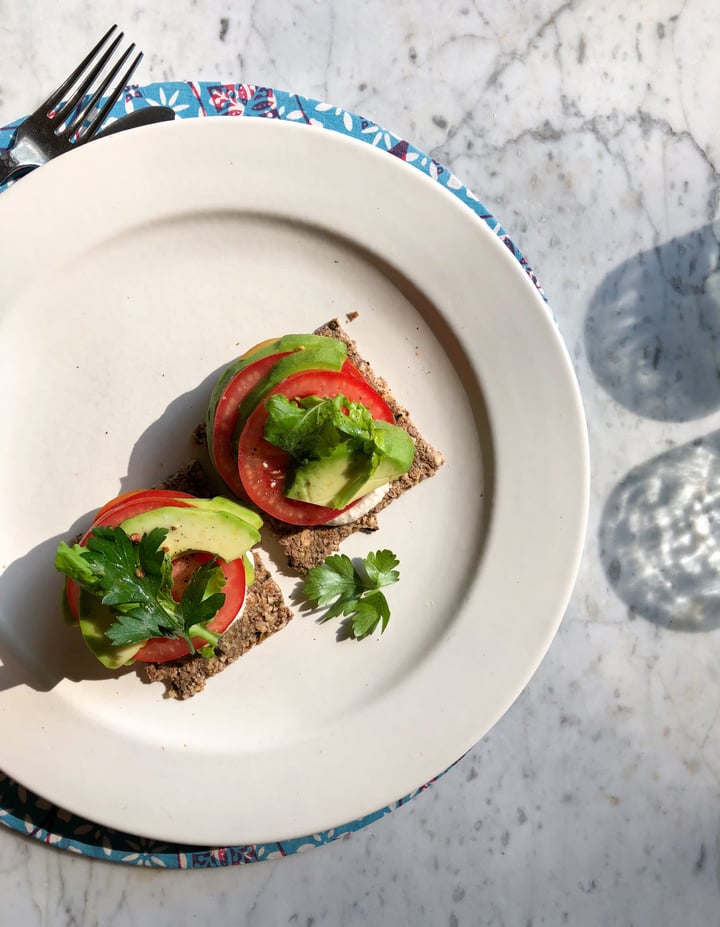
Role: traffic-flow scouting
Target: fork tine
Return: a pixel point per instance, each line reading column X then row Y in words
column 58, row 95
column 60, row 123
column 99, row 118
column 65, row 111
column 76, row 122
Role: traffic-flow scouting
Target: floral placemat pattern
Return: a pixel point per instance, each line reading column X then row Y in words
column 29, row 814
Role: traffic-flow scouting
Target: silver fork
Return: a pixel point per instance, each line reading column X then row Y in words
column 69, row 117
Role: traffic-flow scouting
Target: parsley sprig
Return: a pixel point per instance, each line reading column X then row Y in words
column 135, row 580
column 313, row 427
column 354, row 593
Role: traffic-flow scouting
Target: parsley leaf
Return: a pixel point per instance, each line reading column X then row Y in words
column 380, row 568
column 352, row 592
column 135, row 580
column 312, row 427
column 335, row 577
column 195, row 605
column 71, row 562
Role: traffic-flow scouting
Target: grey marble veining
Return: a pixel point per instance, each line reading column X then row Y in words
column 590, row 130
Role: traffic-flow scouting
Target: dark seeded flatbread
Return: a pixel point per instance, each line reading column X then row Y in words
column 263, row 615
column 306, row 547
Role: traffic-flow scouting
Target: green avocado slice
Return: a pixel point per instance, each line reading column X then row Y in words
column 221, row 504
column 95, row 620
column 346, row 474
column 249, row 562
column 321, row 357
column 219, row 533
column 278, row 346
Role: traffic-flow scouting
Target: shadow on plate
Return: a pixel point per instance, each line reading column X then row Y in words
column 652, row 331
column 170, row 443
column 659, row 537
column 37, row 648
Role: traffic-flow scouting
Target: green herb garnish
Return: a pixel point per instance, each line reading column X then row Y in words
column 312, row 427
column 134, row 579
column 352, row 592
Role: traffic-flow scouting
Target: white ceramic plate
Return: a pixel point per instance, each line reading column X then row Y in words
column 133, row 272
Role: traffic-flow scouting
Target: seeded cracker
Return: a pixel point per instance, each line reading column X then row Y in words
column 306, row 547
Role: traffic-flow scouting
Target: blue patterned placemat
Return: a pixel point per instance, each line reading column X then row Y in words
column 21, row 809
column 29, row 814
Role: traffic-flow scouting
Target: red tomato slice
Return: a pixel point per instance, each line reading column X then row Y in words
column 262, row 466
column 72, row 598
column 162, row 649
column 223, row 441
column 137, row 495
column 145, row 501
column 114, row 513
column 226, row 415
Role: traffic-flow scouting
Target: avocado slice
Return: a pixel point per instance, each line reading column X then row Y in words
column 320, row 481
column 278, row 346
column 221, row 504
column 219, row 533
column 95, row 620
column 330, row 355
column 249, row 563
column 346, row 475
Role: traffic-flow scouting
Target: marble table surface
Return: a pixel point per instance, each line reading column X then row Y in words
column 590, row 130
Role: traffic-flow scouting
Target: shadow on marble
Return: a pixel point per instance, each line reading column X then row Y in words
column 652, row 331
column 659, row 537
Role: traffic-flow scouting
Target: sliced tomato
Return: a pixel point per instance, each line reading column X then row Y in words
column 72, row 598
column 221, row 444
column 115, row 513
column 226, row 424
column 136, row 495
column 262, row 467
column 135, row 503
column 162, row 649
column 286, row 344
column 262, row 349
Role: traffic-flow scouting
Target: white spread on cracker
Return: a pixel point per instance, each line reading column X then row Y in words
column 361, row 507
